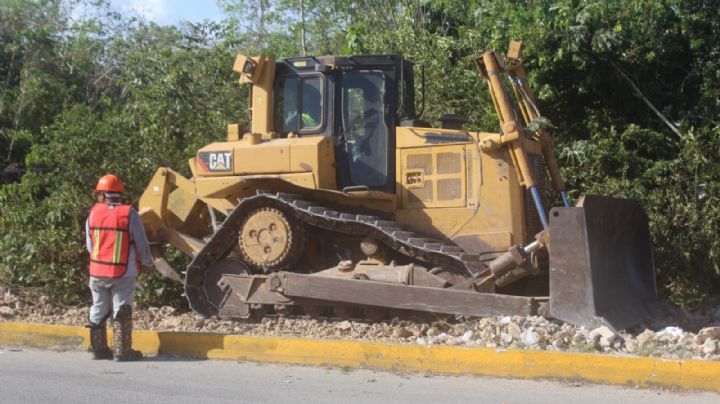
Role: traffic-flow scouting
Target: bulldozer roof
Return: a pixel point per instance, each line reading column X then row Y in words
column 320, row 63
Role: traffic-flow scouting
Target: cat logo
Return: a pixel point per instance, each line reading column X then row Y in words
column 220, row 161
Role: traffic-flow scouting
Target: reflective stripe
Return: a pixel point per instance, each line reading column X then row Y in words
column 96, row 244
column 118, row 247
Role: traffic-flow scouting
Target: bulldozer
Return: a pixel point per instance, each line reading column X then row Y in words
column 338, row 200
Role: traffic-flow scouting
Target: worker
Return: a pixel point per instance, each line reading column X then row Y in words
column 119, row 251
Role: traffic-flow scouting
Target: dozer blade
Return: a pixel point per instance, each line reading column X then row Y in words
column 601, row 263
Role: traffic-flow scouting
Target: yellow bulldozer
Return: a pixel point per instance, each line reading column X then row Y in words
column 337, row 200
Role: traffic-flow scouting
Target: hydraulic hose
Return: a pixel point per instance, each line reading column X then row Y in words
column 566, row 201
column 539, row 206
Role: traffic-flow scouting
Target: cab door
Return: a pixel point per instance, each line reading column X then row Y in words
column 365, row 131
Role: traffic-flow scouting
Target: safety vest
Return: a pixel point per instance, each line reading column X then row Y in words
column 108, row 227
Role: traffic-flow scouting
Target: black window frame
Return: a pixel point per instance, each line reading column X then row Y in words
column 391, row 77
column 395, row 69
column 346, row 134
column 299, row 96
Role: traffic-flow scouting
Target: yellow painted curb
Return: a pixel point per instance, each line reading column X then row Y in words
column 522, row 364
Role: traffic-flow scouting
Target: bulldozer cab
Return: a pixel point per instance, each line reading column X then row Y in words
column 356, row 100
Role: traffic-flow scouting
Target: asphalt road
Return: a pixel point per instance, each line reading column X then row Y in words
column 33, row 376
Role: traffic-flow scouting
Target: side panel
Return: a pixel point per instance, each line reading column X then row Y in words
column 315, row 154
column 272, row 156
column 433, row 177
column 448, row 188
column 312, row 154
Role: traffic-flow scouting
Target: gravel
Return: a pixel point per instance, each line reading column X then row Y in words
column 682, row 335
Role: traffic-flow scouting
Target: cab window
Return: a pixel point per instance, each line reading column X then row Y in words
column 364, row 128
column 298, row 104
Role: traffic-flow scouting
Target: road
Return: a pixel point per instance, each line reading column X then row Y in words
column 34, row 376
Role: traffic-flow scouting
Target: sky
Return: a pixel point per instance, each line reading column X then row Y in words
column 171, row 12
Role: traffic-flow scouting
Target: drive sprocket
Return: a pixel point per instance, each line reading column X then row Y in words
column 270, row 240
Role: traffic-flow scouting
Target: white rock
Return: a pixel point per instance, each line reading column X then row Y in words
column 705, row 333
column 559, row 342
column 603, row 336
column 73, row 312
column 505, row 320
column 602, row 332
column 6, row 311
column 676, row 332
column 514, row 330
column 8, row 297
column 631, row 346
column 167, row 310
column 506, row 339
column 344, row 325
column 709, row 347
column 420, row 341
column 529, row 337
column 402, row 332
column 578, row 337
column 438, row 339
column 552, row 328
column 466, row 337
column 645, row 337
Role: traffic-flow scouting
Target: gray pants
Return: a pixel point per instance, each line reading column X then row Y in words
column 110, row 293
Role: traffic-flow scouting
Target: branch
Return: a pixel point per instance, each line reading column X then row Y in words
column 649, row 104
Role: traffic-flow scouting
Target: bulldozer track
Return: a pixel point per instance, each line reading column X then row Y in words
column 433, row 252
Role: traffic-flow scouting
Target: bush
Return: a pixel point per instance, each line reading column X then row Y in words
column 680, row 193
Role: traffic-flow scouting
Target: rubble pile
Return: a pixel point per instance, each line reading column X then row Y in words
column 684, row 335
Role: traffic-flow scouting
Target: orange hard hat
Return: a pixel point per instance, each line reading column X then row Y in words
column 111, row 184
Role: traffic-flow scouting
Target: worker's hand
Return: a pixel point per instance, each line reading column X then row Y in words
column 146, row 269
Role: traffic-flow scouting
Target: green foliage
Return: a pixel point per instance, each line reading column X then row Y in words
column 158, row 291
column 150, row 97
column 110, row 93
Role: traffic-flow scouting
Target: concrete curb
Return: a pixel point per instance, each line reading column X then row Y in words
column 513, row 363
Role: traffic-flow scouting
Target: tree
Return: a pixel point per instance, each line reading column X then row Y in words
column 630, row 86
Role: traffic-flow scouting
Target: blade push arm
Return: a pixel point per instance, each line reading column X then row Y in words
column 512, row 133
column 526, row 101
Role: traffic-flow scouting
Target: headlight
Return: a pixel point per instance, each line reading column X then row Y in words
column 249, row 67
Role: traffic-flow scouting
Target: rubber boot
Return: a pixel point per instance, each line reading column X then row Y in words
column 122, row 336
column 98, row 341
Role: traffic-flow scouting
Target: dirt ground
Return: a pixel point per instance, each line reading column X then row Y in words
column 684, row 334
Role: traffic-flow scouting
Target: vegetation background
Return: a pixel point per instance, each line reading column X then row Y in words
column 115, row 93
